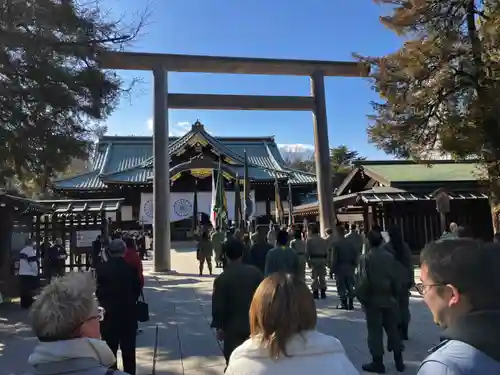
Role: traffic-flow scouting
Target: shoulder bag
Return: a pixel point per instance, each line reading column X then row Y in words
column 142, row 309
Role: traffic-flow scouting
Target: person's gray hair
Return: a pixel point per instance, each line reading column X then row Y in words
column 63, row 306
column 117, row 248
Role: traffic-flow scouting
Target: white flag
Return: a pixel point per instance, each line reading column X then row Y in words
column 212, row 205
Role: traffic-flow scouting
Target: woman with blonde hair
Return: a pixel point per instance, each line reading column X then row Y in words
column 283, row 338
column 65, row 318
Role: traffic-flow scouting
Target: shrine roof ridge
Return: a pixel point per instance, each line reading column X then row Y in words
column 149, row 138
column 129, row 159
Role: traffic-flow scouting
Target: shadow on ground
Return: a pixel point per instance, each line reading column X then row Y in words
column 180, row 306
column 16, row 338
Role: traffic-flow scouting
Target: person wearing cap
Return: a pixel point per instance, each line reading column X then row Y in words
column 118, row 289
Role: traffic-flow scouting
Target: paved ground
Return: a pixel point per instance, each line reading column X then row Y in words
column 181, row 308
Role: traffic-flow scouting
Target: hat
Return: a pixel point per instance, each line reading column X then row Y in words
column 117, row 248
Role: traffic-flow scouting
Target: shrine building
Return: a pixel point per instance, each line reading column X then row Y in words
column 122, row 167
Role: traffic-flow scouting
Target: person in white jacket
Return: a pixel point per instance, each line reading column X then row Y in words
column 284, row 339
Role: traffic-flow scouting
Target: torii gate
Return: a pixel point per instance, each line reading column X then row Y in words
column 161, row 64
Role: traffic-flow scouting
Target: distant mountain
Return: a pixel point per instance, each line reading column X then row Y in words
column 296, row 152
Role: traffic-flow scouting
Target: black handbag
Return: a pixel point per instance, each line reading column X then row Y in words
column 142, row 309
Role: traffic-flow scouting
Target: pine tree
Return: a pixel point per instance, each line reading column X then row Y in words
column 342, row 158
column 441, row 89
column 52, row 90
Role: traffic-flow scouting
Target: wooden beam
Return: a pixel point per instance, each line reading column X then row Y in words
column 240, row 102
column 230, row 65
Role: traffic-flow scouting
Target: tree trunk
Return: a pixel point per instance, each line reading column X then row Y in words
column 489, row 153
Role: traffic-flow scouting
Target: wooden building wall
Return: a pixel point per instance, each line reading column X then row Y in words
column 420, row 222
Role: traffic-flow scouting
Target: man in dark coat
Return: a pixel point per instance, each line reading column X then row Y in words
column 118, row 289
column 377, row 288
column 57, row 256
column 231, row 298
column 344, row 262
column 96, row 252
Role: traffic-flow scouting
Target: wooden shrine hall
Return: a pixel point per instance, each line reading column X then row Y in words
column 76, row 222
column 403, row 193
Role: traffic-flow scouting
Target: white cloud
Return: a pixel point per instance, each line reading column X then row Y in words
column 175, row 130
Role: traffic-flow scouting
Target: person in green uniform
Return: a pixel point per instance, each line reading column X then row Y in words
column 316, row 257
column 330, row 239
column 344, row 263
column 282, row 258
column 355, row 238
column 299, row 245
column 260, row 248
column 377, row 288
column 204, row 252
column 217, row 239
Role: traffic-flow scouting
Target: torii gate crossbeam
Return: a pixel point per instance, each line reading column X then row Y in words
column 161, row 64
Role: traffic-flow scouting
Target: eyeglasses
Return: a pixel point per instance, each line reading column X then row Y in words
column 99, row 316
column 422, row 288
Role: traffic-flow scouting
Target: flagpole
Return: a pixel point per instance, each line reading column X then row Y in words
column 237, row 201
column 290, row 204
column 195, row 205
column 246, row 191
column 277, row 203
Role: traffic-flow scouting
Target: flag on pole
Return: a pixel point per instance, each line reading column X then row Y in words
column 290, row 204
column 246, row 191
column 195, row 205
column 237, row 203
column 278, row 206
column 220, row 205
column 212, row 205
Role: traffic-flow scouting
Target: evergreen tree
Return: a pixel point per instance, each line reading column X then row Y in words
column 342, row 158
column 441, row 89
column 52, row 89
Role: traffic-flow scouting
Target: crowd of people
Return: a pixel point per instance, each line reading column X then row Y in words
column 265, row 314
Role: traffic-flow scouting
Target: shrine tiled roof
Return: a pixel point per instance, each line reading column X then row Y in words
column 129, row 160
column 426, row 175
column 403, row 171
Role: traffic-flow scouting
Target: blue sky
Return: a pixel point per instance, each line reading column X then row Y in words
column 312, row 29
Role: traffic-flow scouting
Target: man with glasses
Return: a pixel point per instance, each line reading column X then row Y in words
column 461, row 287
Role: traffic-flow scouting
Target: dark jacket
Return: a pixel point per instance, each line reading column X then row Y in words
column 404, row 264
column 57, row 259
column 258, row 254
column 282, row 259
column 377, row 283
column 357, row 240
column 344, row 258
column 118, row 289
column 96, row 252
column 231, row 298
